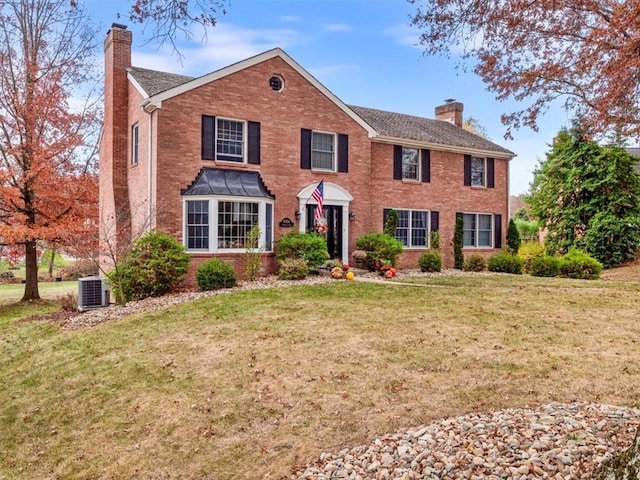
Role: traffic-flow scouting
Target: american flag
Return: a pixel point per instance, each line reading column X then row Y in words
column 318, row 196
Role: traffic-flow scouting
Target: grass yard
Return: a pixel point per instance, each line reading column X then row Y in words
column 249, row 384
column 48, row 291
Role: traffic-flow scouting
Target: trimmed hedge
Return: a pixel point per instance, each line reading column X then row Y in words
column 215, row 274
column 474, row 263
column 430, row 262
column 578, row 264
column 544, row 266
column 506, row 263
column 307, row 246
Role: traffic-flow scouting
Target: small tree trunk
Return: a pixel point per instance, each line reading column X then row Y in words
column 31, row 264
column 51, row 262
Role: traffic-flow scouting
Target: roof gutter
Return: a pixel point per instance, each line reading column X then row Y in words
column 479, row 152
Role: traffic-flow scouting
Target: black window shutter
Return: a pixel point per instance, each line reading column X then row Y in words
column 253, row 155
column 425, row 158
column 491, row 173
column 397, row 162
column 467, row 170
column 343, row 152
column 208, row 137
column 497, row 230
column 435, row 221
column 385, row 212
column 305, row 148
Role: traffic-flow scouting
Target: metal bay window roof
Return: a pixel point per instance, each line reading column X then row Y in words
column 232, row 183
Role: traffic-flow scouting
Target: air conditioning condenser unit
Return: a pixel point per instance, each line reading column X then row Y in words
column 92, row 293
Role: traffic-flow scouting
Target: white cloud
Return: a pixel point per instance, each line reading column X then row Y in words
column 329, row 70
column 337, row 27
column 404, row 34
column 224, row 44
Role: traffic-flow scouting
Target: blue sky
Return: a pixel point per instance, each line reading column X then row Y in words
column 364, row 51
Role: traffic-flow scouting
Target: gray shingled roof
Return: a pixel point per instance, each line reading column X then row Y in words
column 398, row 125
column 155, row 82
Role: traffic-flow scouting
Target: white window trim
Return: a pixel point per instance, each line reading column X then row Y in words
column 334, row 160
column 244, row 141
column 491, row 235
column 135, row 144
column 213, row 222
column 427, row 239
column 484, row 172
column 418, row 170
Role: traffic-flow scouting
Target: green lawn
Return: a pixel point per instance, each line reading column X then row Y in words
column 249, row 384
column 48, row 291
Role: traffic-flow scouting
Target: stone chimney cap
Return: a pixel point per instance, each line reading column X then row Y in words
column 119, row 25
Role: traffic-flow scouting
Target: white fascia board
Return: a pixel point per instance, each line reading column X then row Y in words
column 249, row 62
column 442, row 147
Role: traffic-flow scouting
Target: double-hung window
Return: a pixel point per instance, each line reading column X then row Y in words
column 230, row 140
column 478, row 172
column 413, row 228
column 216, row 224
column 478, row 230
column 323, row 151
column 410, row 164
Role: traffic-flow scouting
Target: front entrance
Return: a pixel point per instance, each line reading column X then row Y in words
column 333, row 214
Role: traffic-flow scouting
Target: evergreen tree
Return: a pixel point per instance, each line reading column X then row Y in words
column 513, row 237
column 588, row 197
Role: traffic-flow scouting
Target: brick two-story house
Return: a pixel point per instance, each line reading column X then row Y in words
column 206, row 158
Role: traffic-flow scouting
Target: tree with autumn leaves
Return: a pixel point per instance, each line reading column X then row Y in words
column 585, row 54
column 48, row 187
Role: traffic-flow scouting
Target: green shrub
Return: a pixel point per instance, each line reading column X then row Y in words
column 252, row 254
column 293, row 269
column 544, row 266
column 528, row 251
column 434, row 240
column 430, row 262
column 513, row 237
column 505, row 262
column 475, row 263
column 578, row 264
column 380, row 249
column 215, row 274
column 458, row 238
column 154, row 266
column 391, row 223
column 528, row 229
column 309, row 246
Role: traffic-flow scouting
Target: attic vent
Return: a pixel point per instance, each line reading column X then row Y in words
column 276, row 83
column 92, row 293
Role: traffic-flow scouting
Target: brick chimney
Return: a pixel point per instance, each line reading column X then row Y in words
column 114, row 196
column 450, row 112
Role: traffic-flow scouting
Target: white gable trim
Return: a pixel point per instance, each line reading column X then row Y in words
column 250, row 62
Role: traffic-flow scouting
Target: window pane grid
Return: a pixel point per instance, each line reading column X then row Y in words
column 412, row 228
column 235, row 219
column 410, row 163
column 418, row 229
column 477, row 230
column 322, row 150
column 230, row 140
column 198, row 225
column 477, row 172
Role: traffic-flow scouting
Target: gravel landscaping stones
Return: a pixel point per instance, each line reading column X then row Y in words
column 556, row 441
